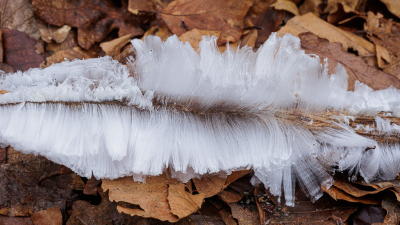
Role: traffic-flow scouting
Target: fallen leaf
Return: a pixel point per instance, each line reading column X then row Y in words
column 338, row 194
column 150, row 196
column 162, row 32
column 367, row 215
column 51, row 216
column 8, row 220
column 356, row 67
column 265, row 18
column 18, row 15
column 195, row 36
column 224, row 16
column 39, row 47
column 123, row 57
column 384, row 34
column 229, row 196
column 245, row 214
column 2, row 92
column 393, row 211
column 382, row 55
column 3, row 156
column 94, row 19
column 70, row 42
column 149, row 6
column 356, row 191
column 227, row 217
column 112, row 48
column 249, row 39
column 6, row 68
column 29, row 184
column 339, row 10
column 83, row 212
column 91, row 186
column 310, row 6
column 1, row 46
column 181, row 202
column 310, row 23
column 323, row 211
column 207, row 215
column 135, row 6
column 209, row 186
column 49, row 33
column 286, row 5
column 69, row 54
column 393, row 6
column 235, row 175
column 20, row 50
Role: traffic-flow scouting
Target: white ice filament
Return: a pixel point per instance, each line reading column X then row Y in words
column 199, row 113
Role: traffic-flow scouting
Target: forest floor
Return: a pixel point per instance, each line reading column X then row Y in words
column 362, row 35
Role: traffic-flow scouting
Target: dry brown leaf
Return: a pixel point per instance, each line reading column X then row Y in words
column 162, row 32
column 70, row 54
column 69, row 43
column 209, row 186
column 286, row 5
column 338, row 194
column 249, row 39
column 245, row 214
column 150, row 196
column 95, row 19
column 384, row 34
column 236, row 175
column 1, row 46
column 123, row 57
column 136, row 6
column 51, row 216
column 229, row 196
column 324, row 211
column 8, row 220
column 342, row 9
column 183, row 203
column 393, row 211
column 6, row 68
column 355, row 191
column 265, row 18
column 227, row 217
column 113, row 48
column 91, row 186
column 310, row 6
column 381, row 55
column 49, row 32
column 393, row 6
column 396, row 193
column 29, row 184
column 372, row 23
column 356, row 67
column 195, row 36
column 39, row 47
column 224, row 16
column 310, row 23
column 207, row 215
column 18, row 15
column 20, row 50
column 2, row 92
column 83, row 212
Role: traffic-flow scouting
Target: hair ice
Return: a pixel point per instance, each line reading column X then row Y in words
column 199, row 112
